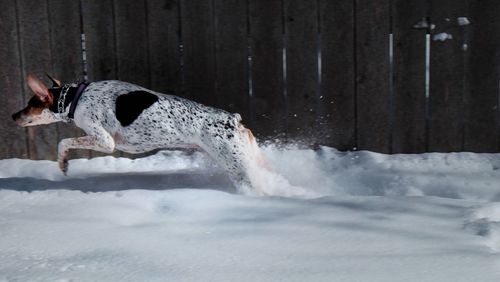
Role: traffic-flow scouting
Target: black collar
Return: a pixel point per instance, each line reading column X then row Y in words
column 74, row 102
column 72, row 97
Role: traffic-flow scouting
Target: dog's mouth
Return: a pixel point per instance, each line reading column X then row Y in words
column 24, row 123
column 21, row 121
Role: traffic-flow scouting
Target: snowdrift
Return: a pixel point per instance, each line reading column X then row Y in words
column 331, row 216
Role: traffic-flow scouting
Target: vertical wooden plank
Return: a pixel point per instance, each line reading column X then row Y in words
column 301, row 36
column 66, row 53
column 99, row 39
column 447, row 79
column 164, row 55
column 231, row 55
column 372, row 75
column 266, row 33
column 409, row 129
column 100, row 43
column 35, row 48
column 482, row 124
column 132, row 41
column 198, row 50
column 65, row 40
column 336, row 122
column 13, row 143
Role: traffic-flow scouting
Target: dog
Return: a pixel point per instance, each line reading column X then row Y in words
column 117, row 115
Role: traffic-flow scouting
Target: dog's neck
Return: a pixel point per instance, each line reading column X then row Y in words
column 66, row 99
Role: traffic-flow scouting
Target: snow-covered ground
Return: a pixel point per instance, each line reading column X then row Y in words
column 174, row 216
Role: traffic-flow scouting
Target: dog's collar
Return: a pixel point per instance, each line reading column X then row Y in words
column 69, row 94
column 79, row 92
column 61, row 102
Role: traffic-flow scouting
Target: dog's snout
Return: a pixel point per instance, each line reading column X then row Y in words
column 16, row 116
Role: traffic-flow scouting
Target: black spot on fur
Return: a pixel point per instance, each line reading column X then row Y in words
column 228, row 125
column 129, row 106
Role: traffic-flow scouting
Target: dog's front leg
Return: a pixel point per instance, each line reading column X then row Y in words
column 103, row 144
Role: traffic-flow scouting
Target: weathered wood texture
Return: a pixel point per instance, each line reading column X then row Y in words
column 231, row 57
column 198, row 41
column 372, row 75
column 301, row 34
column 267, row 73
column 100, row 39
column 409, row 125
column 335, row 123
column 132, row 47
column 14, row 139
column 164, row 38
column 446, row 112
column 313, row 72
column 482, row 100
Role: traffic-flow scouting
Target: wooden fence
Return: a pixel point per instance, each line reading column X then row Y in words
column 346, row 73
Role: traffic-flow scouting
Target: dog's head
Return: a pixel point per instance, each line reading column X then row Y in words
column 38, row 110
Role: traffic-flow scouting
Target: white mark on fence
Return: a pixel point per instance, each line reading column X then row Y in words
column 250, row 79
column 498, row 109
column 427, row 86
column 251, row 101
column 427, row 64
column 391, row 89
column 83, row 44
column 84, row 57
column 319, row 63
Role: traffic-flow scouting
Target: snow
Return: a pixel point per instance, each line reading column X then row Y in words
column 486, row 222
column 443, row 36
column 424, row 24
column 463, row 21
column 330, row 216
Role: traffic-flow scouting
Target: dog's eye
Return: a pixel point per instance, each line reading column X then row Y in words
column 33, row 102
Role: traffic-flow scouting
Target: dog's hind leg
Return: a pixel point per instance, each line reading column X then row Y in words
column 239, row 155
column 230, row 159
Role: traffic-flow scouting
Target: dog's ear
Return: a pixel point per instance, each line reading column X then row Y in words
column 38, row 87
column 55, row 82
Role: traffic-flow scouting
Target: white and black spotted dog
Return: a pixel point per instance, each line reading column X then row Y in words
column 117, row 115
